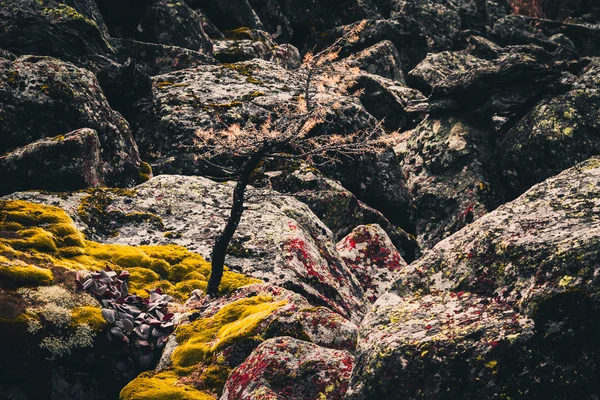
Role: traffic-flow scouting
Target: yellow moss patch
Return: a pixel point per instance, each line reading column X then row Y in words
column 200, row 339
column 89, row 315
column 161, row 386
column 25, row 275
column 46, row 236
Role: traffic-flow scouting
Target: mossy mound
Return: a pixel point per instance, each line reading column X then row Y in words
column 43, row 236
column 161, row 386
column 199, row 356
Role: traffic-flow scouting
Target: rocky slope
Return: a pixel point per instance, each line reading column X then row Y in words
column 457, row 259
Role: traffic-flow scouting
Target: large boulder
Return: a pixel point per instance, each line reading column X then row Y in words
column 224, row 332
column 53, row 28
column 508, row 306
column 61, row 163
column 157, row 59
column 405, row 34
column 504, row 86
column 216, row 96
column 279, row 239
column 290, row 368
column 371, row 255
column 44, row 97
column 173, row 23
column 554, row 135
column 448, row 168
column 336, row 206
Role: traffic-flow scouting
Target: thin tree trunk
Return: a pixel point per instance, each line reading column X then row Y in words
column 237, row 208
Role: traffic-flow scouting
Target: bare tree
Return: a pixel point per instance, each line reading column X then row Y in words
column 290, row 135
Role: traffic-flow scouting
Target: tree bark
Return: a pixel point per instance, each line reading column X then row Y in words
column 237, row 208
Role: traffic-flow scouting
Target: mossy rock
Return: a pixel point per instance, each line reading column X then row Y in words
column 34, row 238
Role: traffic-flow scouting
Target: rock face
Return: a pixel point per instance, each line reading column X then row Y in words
column 369, row 252
column 61, row 163
column 556, row 134
column 445, row 164
column 43, row 97
column 517, row 283
column 198, row 98
column 292, row 248
column 290, row 368
column 336, row 206
column 50, row 27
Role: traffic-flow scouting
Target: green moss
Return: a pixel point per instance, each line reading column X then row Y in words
column 245, row 70
column 89, row 315
column 161, row 386
column 25, row 275
column 45, row 236
column 200, row 339
column 215, row 376
column 145, row 172
column 239, row 33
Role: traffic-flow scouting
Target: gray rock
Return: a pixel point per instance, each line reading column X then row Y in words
column 292, row 368
column 507, row 305
column 278, row 240
column 61, row 163
column 448, row 169
column 44, row 97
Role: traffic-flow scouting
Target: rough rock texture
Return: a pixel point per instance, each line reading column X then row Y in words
column 173, row 23
column 446, row 164
column 44, row 97
column 279, row 239
column 209, row 96
column 516, row 78
column 293, row 369
column 389, row 102
column 50, row 27
column 242, row 321
column 157, row 59
column 556, row 134
column 61, row 163
column 336, row 206
column 244, row 44
column 371, row 255
column 509, row 294
column 405, row 34
column 380, row 59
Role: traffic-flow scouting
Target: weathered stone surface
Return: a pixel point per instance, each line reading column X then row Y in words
column 44, row 97
column 53, row 28
column 244, row 44
column 435, row 346
column 61, row 163
column 505, row 86
column 173, row 22
column 556, row 134
column 380, row 59
column 215, row 96
column 293, row 369
column 524, row 280
column 448, row 168
column 278, row 240
column 336, row 206
column 243, row 320
column 438, row 67
column 157, row 59
column 405, row 33
column 389, row 101
column 372, row 257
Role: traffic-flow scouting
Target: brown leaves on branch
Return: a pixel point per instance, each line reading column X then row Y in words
column 291, row 130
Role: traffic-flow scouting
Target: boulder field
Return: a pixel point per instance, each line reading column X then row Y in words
column 454, row 255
